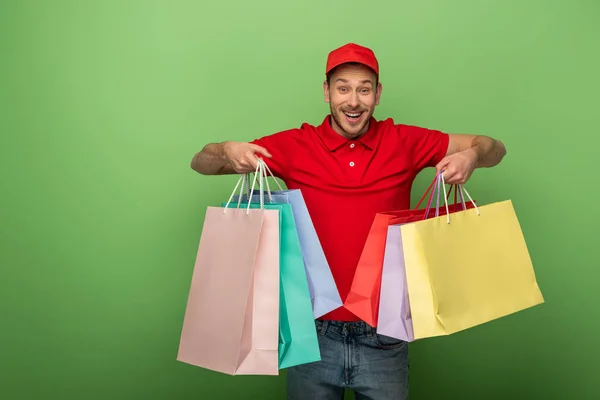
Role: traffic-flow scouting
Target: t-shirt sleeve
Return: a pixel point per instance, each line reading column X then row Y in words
column 425, row 147
column 281, row 147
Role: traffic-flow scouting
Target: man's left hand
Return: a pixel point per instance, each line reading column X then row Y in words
column 458, row 167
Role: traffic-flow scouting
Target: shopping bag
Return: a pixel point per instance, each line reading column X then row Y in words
column 324, row 294
column 298, row 342
column 467, row 268
column 394, row 319
column 363, row 298
column 231, row 318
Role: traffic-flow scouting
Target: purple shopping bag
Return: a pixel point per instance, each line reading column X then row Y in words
column 394, row 305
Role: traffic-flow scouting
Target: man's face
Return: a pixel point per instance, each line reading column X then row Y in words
column 352, row 97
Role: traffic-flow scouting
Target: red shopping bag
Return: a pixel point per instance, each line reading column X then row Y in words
column 363, row 298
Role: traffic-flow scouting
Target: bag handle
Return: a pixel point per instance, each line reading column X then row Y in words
column 433, row 192
column 243, row 178
column 442, row 183
column 264, row 169
column 425, row 194
column 456, row 192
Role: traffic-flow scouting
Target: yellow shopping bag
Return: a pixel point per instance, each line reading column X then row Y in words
column 467, row 268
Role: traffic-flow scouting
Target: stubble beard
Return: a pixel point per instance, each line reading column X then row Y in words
column 336, row 118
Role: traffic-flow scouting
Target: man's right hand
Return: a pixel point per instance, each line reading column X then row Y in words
column 243, row 156
column 228, row 158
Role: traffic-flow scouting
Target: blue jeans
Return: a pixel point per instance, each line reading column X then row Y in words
column 355, row 357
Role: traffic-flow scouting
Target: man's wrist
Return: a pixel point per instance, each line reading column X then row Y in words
column 473, row 153
column 486, row 151
column 222, row 151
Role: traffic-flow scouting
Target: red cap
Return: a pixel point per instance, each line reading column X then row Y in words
column 352, row 53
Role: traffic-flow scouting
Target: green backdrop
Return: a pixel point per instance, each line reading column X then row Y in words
column 103, row 104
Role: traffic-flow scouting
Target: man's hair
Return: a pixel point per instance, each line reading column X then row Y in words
column 356, row 64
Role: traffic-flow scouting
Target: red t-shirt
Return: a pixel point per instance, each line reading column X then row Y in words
column 346, row 182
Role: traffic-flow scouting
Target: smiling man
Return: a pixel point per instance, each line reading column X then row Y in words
column 350, row 167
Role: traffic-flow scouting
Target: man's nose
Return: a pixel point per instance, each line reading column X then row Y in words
column 353, row 100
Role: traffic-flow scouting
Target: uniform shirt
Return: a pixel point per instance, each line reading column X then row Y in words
column 345, row 182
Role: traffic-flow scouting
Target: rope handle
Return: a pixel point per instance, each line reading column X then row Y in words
column 258, row 173
column 264, row 168
column 441, row 182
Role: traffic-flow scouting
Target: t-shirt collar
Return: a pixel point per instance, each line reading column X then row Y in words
column 334, row 140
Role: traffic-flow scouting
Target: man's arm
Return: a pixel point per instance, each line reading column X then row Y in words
column 467, row 152
column 211, row 161
column 488, row 151
column 227, row 158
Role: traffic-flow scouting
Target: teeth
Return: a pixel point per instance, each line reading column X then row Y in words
column 353, row 115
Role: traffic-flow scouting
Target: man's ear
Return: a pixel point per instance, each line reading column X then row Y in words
column 326, row 91
column 378, row 95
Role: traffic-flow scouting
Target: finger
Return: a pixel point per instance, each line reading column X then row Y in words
column 441, row 165
column 449, row 176
column 245, row 166
column 252, row 161
column 453, row 181
column 261, row 150
column 457, row 179
column 238, row 167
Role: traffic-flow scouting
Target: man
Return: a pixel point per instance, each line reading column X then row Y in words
column 350, row 167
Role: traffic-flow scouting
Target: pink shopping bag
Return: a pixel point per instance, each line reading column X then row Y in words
column 231, row 322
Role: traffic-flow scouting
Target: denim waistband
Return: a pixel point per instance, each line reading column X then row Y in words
column 358, row 328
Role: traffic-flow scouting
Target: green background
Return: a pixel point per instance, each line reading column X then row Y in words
column 103, row 104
